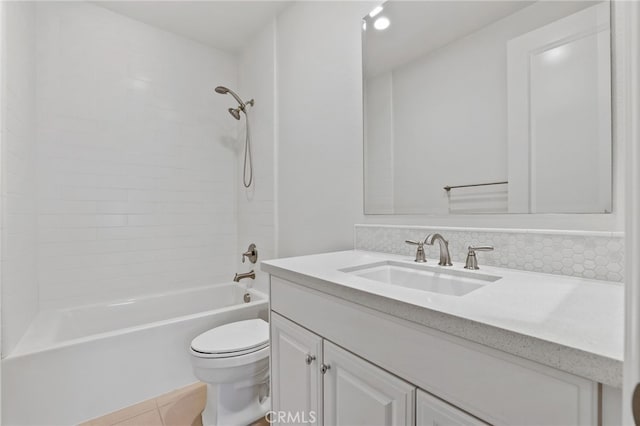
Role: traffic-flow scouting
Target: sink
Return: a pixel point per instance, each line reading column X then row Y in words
column 423, row 277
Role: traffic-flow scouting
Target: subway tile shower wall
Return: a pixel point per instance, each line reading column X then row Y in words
column 597, row 255
column 137, row 170
column 19, row 283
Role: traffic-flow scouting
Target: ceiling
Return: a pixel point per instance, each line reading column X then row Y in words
column 419, row 27
column 226, row 25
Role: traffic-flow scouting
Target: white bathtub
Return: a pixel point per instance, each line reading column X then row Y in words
column 79, row 363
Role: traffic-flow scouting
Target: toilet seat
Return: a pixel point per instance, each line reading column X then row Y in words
column 227, row 354
column 232, row 340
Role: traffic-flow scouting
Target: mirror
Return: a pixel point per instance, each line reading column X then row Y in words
column 487, row 107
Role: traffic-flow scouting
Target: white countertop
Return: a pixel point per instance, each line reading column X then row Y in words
column 573, row 324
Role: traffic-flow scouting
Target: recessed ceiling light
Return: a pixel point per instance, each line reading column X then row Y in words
column 375, row 11
column 382, row 23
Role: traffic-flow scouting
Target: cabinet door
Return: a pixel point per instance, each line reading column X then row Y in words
column 296, row 381
column 430, row 411
column 359, row 393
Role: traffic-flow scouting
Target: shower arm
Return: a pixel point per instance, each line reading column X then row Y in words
column 243, row 105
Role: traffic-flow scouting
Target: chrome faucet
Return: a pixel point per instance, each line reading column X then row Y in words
column 420, row 257
column 251, row 274
column 445, row 257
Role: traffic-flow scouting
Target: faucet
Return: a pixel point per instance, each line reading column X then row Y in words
column 251, row 274
column 445, row 257
column 420, row 257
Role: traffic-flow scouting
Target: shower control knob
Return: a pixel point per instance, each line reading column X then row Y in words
column 309, row 359
column 251, row 254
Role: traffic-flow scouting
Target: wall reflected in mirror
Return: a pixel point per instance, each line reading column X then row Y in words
column 487, row 107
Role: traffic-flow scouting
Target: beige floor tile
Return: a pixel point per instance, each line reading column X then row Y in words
column 261, row 422
column 180, row 393
column 150, row 418
column 197, row 421
column 181, row 407
column 186, row 409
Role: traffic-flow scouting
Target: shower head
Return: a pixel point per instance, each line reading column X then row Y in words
column 235, row 113
column 223, row 91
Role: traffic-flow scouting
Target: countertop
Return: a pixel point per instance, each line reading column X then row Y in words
column 572, row 324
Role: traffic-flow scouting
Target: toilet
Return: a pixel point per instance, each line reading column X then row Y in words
column 233, row 360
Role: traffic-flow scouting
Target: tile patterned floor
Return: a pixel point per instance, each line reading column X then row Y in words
column 181, row 407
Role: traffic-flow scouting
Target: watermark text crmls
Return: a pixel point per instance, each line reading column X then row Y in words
column 291, row 417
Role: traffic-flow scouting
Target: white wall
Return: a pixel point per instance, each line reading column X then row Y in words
column 19, row 285
column 450, row 122
column 256, row 205
column 319, row 125
column 2, row 89
column 379, row 149
column 136, row 158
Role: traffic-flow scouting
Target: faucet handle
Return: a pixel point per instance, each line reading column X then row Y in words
column 472, row 260
column 417, row 243
column 251, row 254
column 420, row 257
column 481, row 248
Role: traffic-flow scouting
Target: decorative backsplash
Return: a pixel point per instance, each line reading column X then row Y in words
column 596, row 255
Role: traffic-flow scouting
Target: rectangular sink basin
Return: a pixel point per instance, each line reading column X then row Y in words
column 423, row 277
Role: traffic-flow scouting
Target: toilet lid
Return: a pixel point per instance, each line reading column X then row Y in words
column 240, row 336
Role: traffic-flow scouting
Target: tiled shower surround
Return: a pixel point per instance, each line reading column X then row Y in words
column 597, row 255
column 135, row 172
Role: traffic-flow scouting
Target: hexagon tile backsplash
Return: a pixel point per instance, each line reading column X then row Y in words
column 596, row 255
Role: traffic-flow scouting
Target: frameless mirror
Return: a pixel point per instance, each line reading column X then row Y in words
column 487, row 107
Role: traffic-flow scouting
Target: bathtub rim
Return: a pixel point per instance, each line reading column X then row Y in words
column 263, row 299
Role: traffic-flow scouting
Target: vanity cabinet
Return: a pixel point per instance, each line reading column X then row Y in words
column 311, row 375
column 381, row 370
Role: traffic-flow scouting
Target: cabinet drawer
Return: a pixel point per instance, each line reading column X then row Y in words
column 492, row 385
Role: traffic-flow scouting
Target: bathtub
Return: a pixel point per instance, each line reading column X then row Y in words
column 79, row 363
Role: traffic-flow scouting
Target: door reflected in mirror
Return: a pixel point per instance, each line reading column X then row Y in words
column 487, row 107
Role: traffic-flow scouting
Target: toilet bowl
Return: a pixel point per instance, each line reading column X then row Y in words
column 233, row 360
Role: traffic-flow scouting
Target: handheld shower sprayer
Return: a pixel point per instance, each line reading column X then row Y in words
column 247, row 174
column 235, row 112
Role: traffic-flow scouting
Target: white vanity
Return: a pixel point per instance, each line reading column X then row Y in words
column 356, row 340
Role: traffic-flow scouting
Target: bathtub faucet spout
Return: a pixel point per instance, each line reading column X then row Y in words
column 242, row 276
